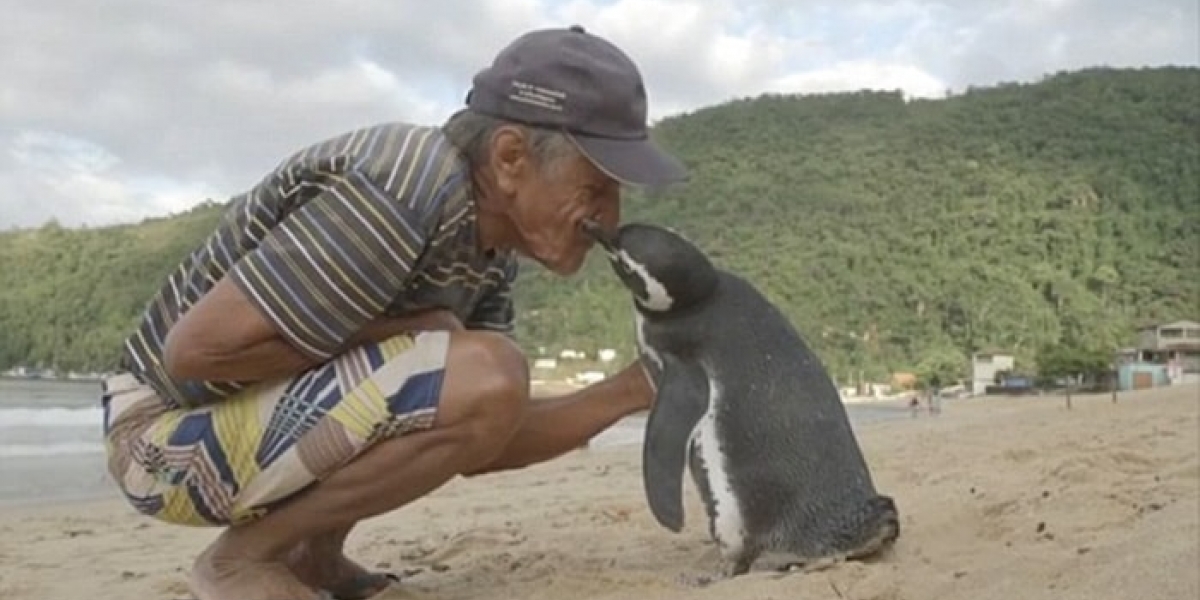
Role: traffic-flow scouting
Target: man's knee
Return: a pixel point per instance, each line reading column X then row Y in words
column 486, row 387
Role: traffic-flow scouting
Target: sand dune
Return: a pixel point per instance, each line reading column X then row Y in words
column 1001, row 499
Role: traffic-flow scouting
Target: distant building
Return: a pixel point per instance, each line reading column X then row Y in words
column 1175, row 344
column 985, row 365
column 1140, row 375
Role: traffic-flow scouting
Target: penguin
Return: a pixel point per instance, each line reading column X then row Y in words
column 743, row 404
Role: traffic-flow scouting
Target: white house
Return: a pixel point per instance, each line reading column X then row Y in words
column 984, row 367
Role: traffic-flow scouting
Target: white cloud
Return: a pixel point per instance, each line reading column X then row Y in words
column 113, row 115
column 855, row 75
column 85, row 175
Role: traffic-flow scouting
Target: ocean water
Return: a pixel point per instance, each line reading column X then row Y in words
column 50, row 441
column 51, row 448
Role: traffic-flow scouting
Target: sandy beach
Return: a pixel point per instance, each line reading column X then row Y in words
column 1001, row 499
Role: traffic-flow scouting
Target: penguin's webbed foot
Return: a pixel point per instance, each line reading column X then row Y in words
column 784, row 564
column 778, row 565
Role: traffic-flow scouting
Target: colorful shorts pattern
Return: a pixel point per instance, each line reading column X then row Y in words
column 231, row 462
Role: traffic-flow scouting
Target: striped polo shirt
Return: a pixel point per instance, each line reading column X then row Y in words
column 377, row 221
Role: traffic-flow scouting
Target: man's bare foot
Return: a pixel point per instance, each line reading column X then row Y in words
column 223, row 573
column 324, row 566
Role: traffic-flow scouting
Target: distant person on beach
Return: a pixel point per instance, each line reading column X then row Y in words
column 935, row 401
column 933, row 395
column 341, row 344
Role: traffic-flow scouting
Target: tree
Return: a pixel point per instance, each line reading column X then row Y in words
column 1056, row 362
column 940, row 368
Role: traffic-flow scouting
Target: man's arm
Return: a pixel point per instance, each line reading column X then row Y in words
column 313, row 284
column 556, row 425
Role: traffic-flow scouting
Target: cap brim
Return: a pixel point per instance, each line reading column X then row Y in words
column 633, row 162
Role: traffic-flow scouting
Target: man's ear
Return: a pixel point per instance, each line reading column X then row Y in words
column 509, row 158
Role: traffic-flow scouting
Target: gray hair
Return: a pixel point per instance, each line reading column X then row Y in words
column 471, row 132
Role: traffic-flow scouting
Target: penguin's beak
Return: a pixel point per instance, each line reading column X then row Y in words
column 602, row 237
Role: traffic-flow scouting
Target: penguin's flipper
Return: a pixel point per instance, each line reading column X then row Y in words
column 679, row 404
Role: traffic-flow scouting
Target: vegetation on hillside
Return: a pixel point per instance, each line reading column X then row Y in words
column 898, row 235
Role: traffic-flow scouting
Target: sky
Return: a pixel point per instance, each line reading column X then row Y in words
column 111, row 112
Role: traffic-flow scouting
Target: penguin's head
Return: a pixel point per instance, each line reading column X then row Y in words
column 664, row 271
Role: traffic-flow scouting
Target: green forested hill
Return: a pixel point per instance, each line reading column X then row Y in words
column 894, row 233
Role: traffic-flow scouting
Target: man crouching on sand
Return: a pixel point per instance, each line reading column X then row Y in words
column 339, row 346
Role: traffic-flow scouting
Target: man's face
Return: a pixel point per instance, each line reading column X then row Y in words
column 549, row 203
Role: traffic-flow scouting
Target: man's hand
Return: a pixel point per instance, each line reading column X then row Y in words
column 635, row 389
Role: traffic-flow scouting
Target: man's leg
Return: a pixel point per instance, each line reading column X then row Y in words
column 483, row 395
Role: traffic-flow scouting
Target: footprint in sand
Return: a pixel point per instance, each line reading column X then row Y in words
column 474, row 539
column 173, row 589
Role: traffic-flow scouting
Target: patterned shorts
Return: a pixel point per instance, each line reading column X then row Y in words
column 230, row 462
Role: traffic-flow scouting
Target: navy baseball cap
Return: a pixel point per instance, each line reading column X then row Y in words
column 575, row 81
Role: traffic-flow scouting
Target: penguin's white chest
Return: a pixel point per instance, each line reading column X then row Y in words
column 728, row 527
column 639, row 326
